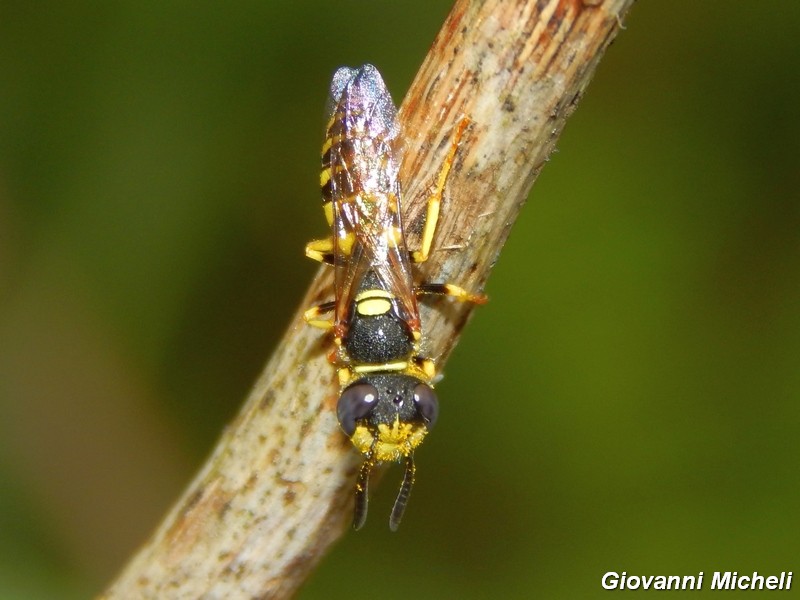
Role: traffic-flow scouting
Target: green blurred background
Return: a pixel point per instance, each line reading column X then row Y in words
column 627, row 401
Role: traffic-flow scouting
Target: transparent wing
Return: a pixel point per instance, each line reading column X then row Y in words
column 367, row 221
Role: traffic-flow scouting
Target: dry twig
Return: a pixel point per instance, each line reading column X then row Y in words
column 277, row 490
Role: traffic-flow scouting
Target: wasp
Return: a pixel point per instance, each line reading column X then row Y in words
column 387, row 404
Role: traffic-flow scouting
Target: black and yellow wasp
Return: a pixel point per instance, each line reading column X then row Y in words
column 387, row 404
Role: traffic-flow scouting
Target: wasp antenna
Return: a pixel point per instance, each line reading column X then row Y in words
column 362, row 490
column 402, row 496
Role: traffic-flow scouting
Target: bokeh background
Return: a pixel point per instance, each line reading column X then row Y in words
column 628, row 401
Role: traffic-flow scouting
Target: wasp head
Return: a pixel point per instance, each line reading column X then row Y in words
column 386, row 416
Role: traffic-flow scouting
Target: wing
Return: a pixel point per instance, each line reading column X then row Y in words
column 363, row 159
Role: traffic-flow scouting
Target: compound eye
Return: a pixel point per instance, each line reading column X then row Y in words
column 426, row 403
column 355, row 403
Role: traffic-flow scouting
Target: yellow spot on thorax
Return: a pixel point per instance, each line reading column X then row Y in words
column 372, row 303
column 373, row 307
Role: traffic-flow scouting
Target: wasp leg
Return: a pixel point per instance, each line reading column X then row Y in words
column 435, row 199
column 448, row 289
column 312, row 315
column 321, row 250
column 402, row 496
column 426, row 366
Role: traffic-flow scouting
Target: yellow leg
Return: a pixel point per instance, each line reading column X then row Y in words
column 311, row 316
column 321, row 250
column 427, row 366
column 448, row 289
column 435, row 199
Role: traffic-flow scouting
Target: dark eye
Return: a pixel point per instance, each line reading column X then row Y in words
column 426, row 403
column 355, row 403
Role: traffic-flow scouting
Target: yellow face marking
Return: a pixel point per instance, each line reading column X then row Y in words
column 395, row 441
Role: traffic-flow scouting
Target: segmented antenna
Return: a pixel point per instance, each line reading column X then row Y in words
column 402, row 496
column 362, row 489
